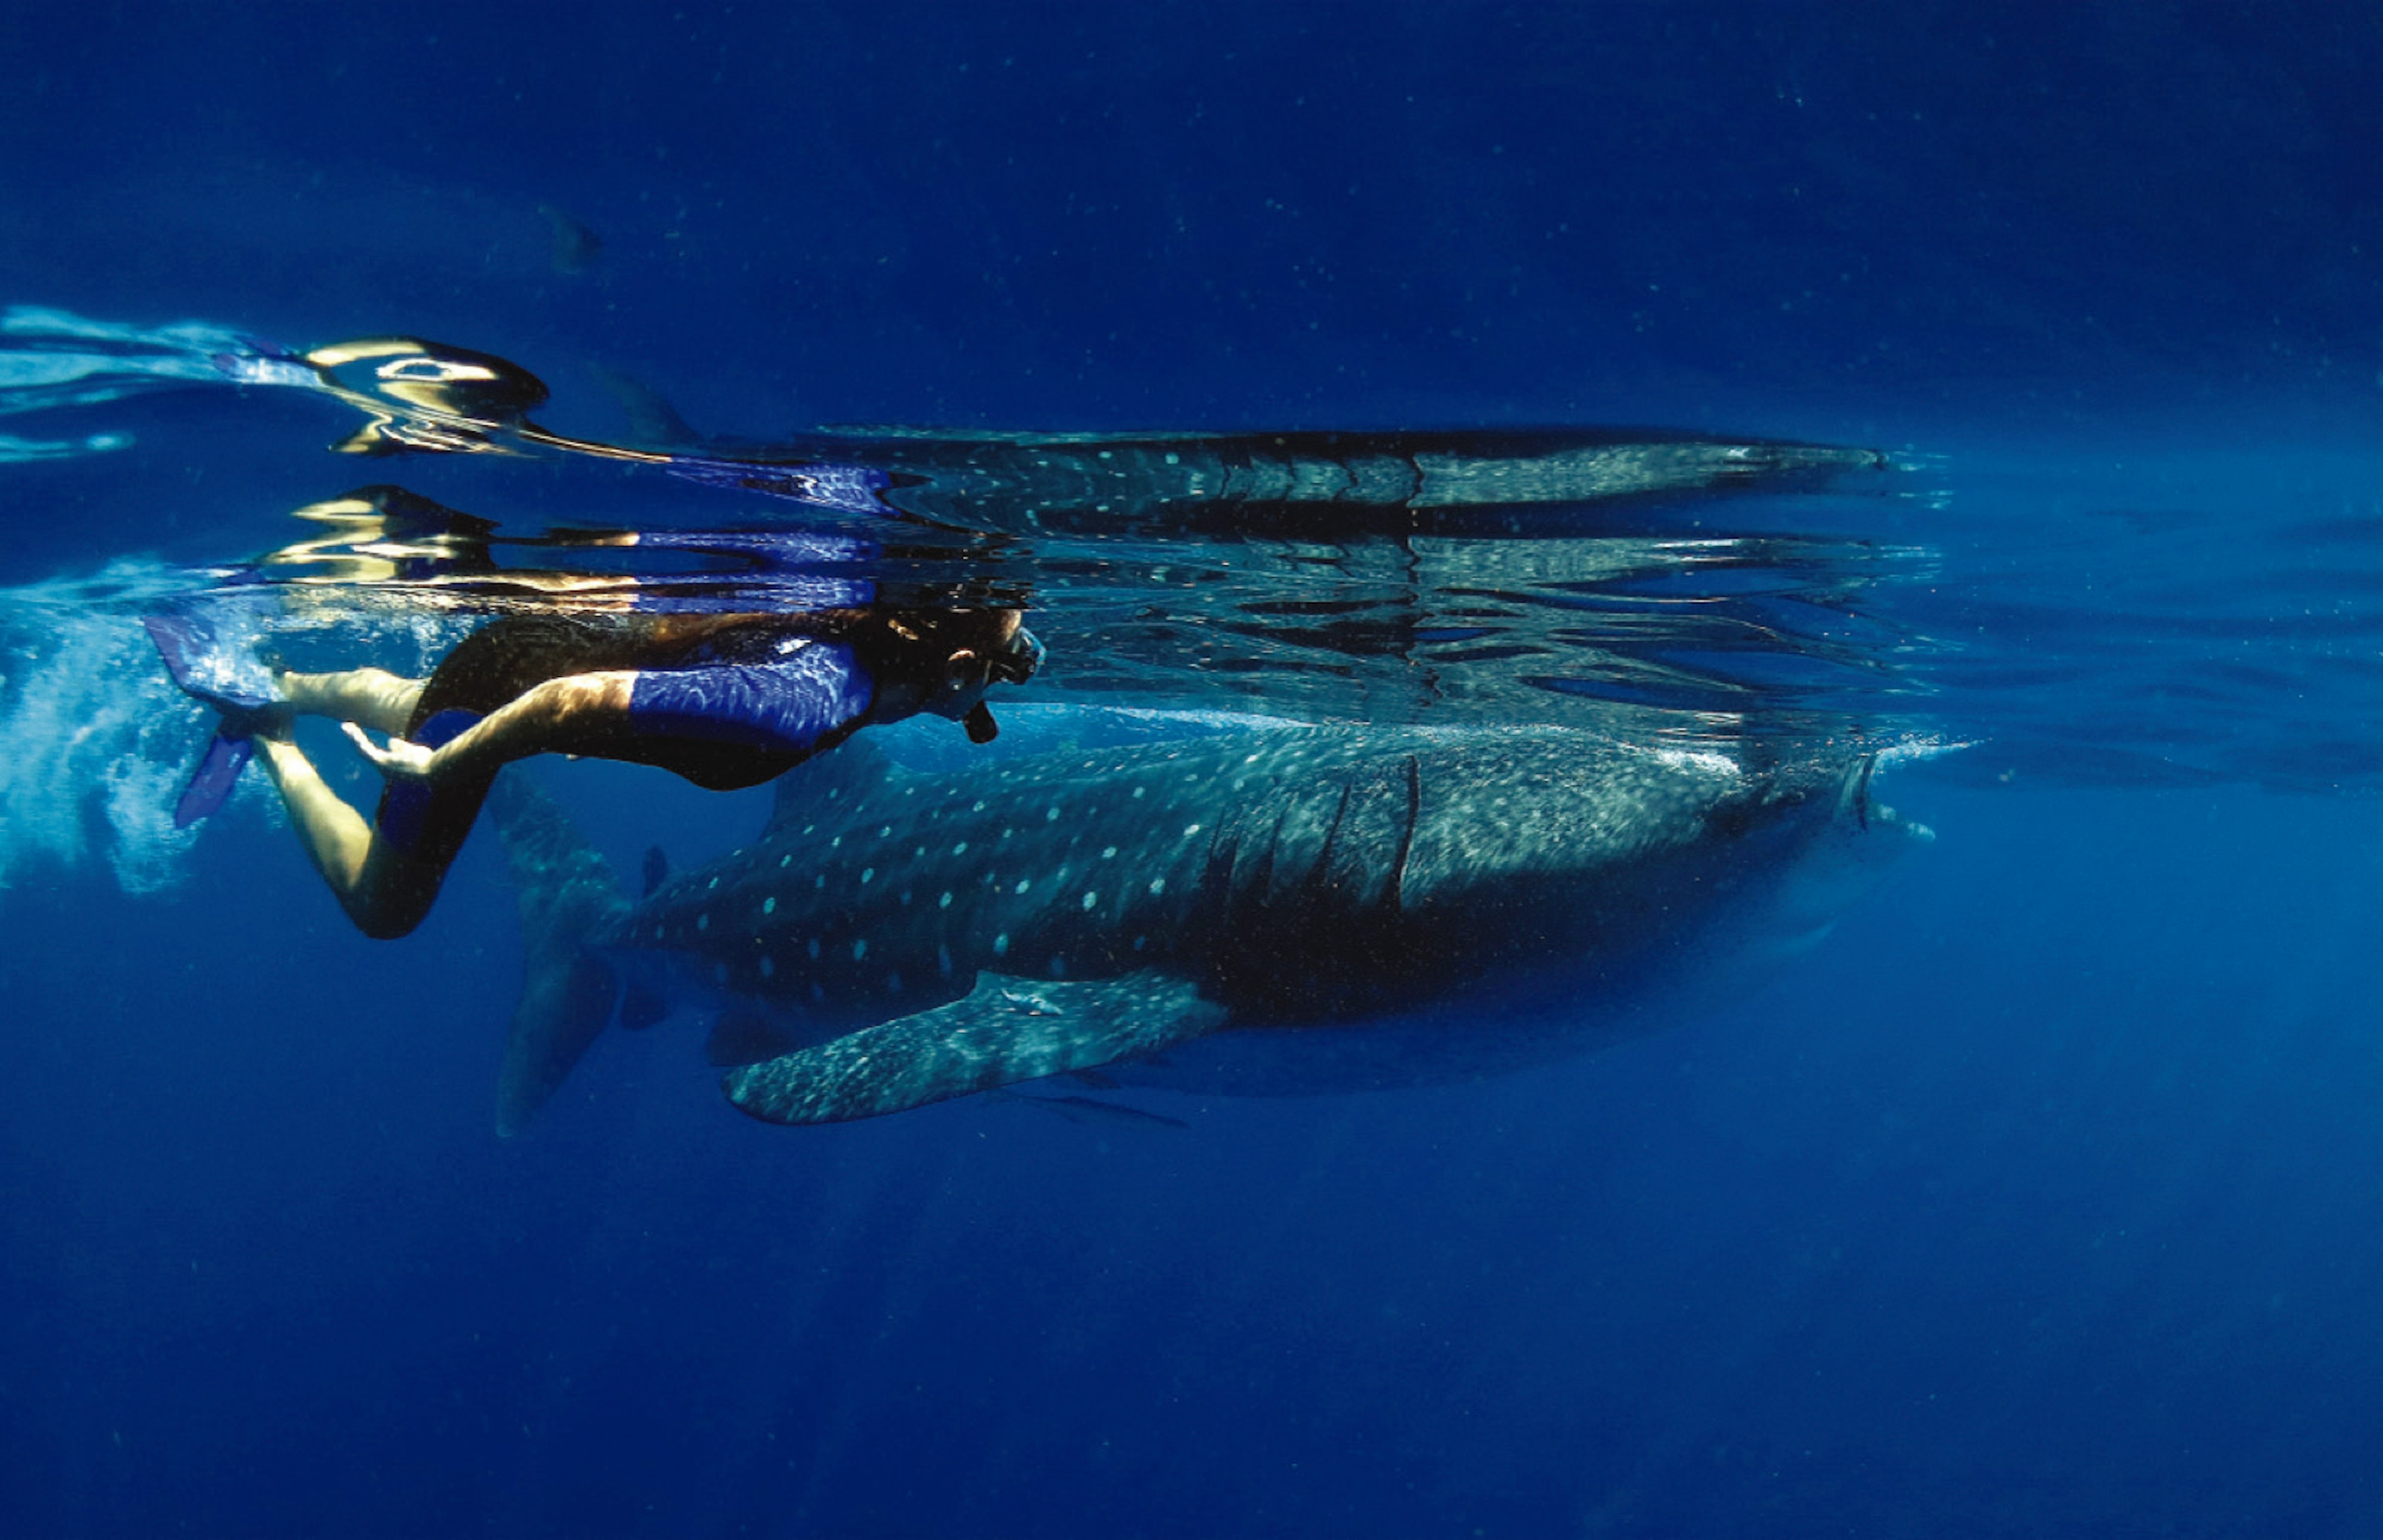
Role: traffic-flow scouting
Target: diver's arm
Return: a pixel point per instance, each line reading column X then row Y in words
column 554, row 717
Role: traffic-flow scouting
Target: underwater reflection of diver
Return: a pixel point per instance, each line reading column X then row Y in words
column 418, row 395
column 725, row 698
column 384, row 542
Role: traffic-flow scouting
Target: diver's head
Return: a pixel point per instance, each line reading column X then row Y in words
column 951, row 657
column 969, row 673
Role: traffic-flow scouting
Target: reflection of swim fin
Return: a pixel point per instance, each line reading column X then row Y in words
column 459, row 384
column 218, row 770
column 226, row 674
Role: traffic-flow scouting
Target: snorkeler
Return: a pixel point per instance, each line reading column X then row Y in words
column 723, row 700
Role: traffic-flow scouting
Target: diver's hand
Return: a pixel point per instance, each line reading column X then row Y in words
column 401, row 760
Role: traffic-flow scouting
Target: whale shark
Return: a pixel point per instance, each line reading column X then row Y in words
column 1275, row 911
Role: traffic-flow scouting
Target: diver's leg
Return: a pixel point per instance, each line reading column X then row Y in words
column 335, row 834
column 369, row 697
column 420, row 829
column 385, row 884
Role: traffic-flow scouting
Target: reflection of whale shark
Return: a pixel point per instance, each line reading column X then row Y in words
column 1286, row 910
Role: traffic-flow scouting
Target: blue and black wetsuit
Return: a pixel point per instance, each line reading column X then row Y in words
column 726, row 701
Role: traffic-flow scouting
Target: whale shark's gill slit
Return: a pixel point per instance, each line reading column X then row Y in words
column 1393, row 891
column 1261, row 870
column 1319, row 877
column 1858, row 794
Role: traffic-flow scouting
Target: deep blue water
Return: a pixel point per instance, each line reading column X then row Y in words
column 2041, row 1198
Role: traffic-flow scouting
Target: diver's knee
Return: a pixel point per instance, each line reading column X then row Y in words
column 382, row 913
column 387, row 925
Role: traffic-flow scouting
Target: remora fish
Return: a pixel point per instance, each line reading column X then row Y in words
column 1285, row 910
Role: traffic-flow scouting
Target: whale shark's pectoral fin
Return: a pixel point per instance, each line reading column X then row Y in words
column 1006, row 1031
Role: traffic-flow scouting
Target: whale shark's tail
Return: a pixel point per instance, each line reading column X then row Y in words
column 567, row 894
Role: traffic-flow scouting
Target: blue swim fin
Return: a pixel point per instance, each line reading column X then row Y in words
column 190, row 635
column 218, row 771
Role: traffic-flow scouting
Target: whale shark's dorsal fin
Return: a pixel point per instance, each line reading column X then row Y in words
column 823, row 785
column 1006, row 1031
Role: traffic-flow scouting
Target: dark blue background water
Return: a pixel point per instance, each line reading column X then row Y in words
column 2042, row 1200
